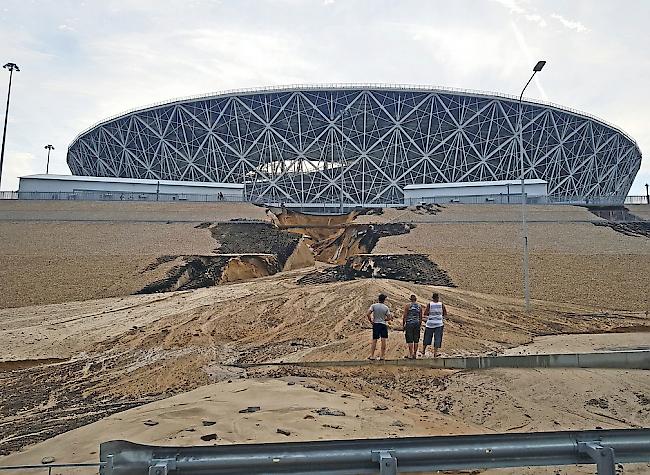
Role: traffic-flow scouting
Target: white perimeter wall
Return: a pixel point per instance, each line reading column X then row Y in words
column 534, row 188
column 72, row 184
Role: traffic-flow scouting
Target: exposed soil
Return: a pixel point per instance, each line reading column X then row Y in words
column 141, row 348
column 205, row 271
column 255, row 238
column 405, row 267
column 355, row 239
column 634, row 229
column 622, row 221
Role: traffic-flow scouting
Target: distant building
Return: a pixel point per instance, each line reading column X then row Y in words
column 129, row 189
column 504, row 191
column 360, row 144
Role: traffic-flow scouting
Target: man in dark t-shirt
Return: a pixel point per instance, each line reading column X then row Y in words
column 412, row 320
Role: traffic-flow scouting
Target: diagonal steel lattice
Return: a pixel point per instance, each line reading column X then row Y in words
column 302, row 144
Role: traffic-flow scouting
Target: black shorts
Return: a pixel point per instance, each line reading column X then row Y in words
column 412, row 333
column 434, row 334
column 379, row 330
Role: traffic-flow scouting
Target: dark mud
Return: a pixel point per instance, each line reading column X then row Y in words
column 206, row 271
column 622, row 221
column 255, row 238
column 44, row 401
column 415, row 268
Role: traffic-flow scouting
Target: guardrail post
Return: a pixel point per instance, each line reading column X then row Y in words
column 161, row 467
column 387, row 462
column 603, row 456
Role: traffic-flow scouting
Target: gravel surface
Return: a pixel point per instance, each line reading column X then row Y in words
column 570, row 262
column 55, row 262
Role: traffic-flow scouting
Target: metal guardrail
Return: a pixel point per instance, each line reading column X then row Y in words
column 50, row 466
column 385, row 456
column 637, row 200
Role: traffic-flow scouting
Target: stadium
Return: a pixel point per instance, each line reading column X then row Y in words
column 360, row 145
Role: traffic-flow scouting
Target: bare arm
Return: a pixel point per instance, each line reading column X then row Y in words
column 406, row 311
column 426, row 312
column 422, row 314
column 444, row 310
column 369, row 315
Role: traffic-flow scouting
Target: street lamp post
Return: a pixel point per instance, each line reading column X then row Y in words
column 341, row 164
column 49, row 148
column 11, row 67
column 647, row 195
column 524, row 225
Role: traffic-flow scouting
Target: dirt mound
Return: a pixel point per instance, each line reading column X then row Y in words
column 355, row 239
column 135, row 349
column 405, row 267
column 195, row 272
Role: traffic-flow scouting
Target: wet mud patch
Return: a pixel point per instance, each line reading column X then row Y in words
column 255, row 238
column 415, row 268
column 622, row 221
column 206, row 271
column 634, row 229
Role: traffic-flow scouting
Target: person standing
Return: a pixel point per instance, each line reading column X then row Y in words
column 379, row 315
column 411, row 321
column 435, row 314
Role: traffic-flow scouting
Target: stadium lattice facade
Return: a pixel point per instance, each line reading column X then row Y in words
column 305, row 145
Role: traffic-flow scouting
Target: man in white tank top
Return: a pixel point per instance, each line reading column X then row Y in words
column 434, row 324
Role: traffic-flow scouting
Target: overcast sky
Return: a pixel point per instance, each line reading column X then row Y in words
column 82, row 61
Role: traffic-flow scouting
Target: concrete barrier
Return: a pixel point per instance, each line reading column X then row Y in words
column 617, row 359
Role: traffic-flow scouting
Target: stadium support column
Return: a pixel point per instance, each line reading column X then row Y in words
column 11, row 67
column 524, row 225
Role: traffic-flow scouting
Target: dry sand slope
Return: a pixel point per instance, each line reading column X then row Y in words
column 570, row 261
column 130, row 351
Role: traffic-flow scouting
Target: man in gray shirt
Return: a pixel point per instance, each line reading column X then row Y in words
column 378, row 315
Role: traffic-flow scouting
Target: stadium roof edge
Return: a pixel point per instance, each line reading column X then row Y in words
column 350, row 86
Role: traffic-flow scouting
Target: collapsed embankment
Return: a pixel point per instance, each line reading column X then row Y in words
column 296, row 240
column 244, row 251
column 621, row 220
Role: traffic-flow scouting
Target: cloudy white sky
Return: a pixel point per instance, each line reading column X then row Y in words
column 82, row 61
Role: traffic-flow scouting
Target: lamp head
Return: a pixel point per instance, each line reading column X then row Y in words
column 11, row 67
column 538, row 67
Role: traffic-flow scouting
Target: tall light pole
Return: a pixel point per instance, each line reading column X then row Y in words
column 342, row 163
column 647, row 195
column 524, row 225
column 11, row 67
column 49, row 148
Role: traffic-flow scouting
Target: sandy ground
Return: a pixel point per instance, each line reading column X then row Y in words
column 113, row 363
column 58, row 262
column 576, row 263
column 127, row 352
column 24, row 210
column 585, row 343
column 642, row 211
column 289, row 405
column 478, row 213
